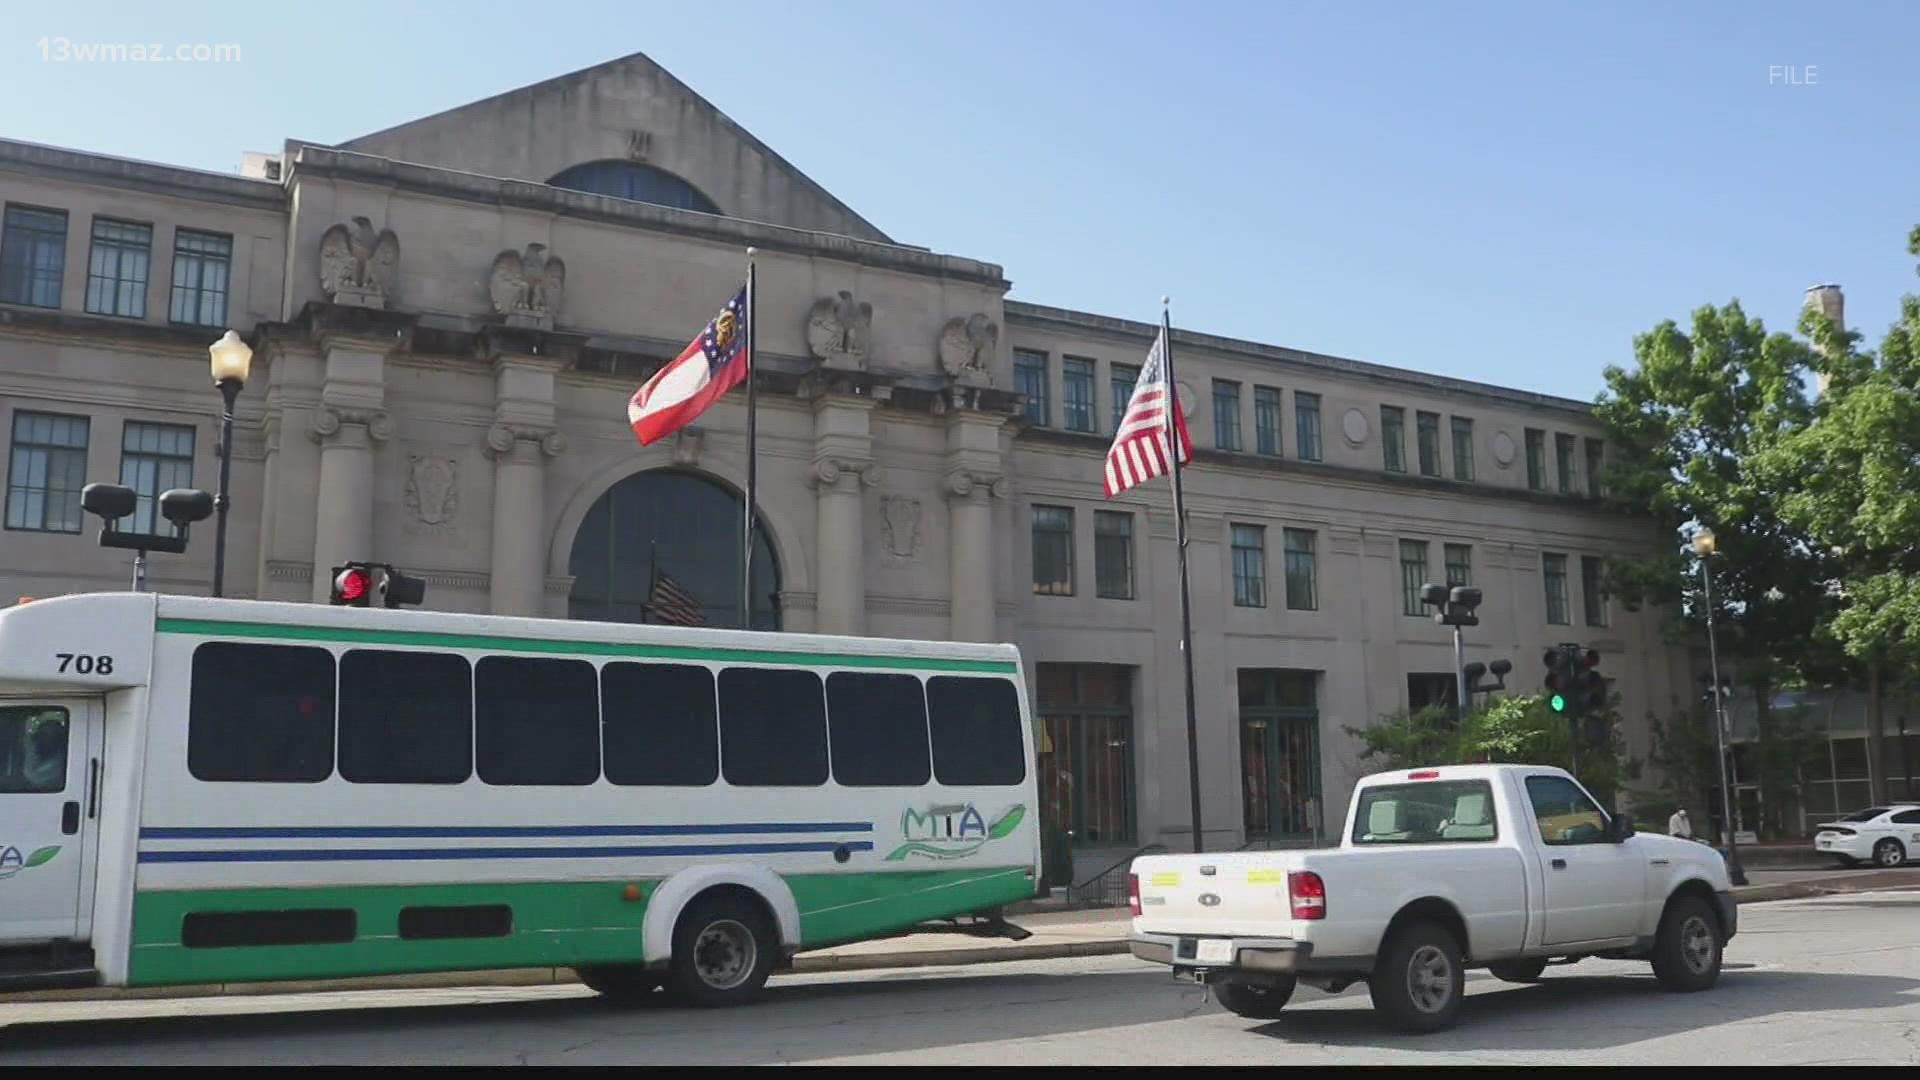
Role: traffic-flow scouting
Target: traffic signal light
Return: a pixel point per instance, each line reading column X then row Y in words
column 1590, row 687
column 1559, row 678
column 1573, row 681
column 357, row 584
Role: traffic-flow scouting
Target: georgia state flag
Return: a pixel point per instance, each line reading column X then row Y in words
column 710, row 365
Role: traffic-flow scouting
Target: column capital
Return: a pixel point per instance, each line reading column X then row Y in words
column 329, row 423
column 971, row 483
column 505, row 440
column 845, row 473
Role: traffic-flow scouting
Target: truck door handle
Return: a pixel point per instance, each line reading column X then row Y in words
column 70, row 817
column 1559, row 864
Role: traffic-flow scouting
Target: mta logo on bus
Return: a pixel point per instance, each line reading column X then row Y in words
column 952, row 831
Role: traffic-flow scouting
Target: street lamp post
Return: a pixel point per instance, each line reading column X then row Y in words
column 231, row 359
column 1704, row 546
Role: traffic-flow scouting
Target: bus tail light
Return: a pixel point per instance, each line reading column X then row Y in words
column 1308, row 894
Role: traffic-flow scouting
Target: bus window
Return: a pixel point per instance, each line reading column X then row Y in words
column 260, row 713
column 976, row 731
column 773, row 728
column 536, row 721
column 405, row 717
column 878, row 725
column 658, row 726
column 33, row 750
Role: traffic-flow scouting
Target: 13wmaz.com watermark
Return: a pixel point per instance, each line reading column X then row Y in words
column 59, row 50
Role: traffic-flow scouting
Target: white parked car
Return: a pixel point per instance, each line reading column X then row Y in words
column 1503, row 867
column 1887, row 836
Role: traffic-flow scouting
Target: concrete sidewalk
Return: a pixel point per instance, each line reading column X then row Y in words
column 1055, row 935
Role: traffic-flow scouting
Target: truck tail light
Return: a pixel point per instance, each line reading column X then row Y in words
column 1308, row 893
column 1133, row 893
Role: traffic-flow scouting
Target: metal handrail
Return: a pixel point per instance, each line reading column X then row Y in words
column 1101, row 877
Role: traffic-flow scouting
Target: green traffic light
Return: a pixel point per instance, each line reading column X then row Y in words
column 1558, row 703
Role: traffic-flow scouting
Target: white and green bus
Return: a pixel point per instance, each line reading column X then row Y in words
column 196, row 790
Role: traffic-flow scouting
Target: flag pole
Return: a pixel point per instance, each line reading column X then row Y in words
column 1180, row 540
column 746, row 531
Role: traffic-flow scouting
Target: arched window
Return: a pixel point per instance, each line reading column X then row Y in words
column 630, row 180
column 663, row 546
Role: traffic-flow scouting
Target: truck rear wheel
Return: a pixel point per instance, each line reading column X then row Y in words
column 1518, row 971
column 1255, row 1001
column 1686, row 952
column 1419, row 983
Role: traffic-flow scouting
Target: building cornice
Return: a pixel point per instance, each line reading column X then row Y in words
column 81, row 167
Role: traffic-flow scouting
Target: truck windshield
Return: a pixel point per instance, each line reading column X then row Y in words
column 1436, row 812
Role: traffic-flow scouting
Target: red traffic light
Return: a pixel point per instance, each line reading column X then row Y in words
column 352, row 586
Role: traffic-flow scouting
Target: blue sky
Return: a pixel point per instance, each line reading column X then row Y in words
column 1505, row 192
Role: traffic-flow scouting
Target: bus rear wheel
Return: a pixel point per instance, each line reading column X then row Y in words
column 723, row 950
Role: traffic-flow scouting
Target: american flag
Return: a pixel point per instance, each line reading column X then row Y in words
column 672, row 604
column 1139, row 452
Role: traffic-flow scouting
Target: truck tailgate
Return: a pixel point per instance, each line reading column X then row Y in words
column 1240, row 893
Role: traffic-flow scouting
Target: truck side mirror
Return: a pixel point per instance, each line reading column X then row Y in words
column 1619, row 828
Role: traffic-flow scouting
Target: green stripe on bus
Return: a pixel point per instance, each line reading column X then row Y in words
column 555, row 924
column 222, row 628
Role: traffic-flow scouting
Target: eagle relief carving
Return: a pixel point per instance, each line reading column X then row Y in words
column 528, row 284
column 357, row 265
column 837, row 330
column 433, row 488
column 900, row 521
column 967, row 347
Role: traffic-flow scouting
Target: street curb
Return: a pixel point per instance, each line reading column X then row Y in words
column 562, row 976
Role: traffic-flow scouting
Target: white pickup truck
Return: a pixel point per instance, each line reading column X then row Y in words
column 1506, row 867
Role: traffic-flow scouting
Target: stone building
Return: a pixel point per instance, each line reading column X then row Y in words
column 448, row 318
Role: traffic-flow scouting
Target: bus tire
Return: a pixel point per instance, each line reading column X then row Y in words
column 624, row 983
column 723, row 950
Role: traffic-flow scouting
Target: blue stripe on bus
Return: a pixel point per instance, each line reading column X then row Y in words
column 384, row 832
column 406, row 854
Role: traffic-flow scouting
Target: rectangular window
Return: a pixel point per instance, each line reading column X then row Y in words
column 261, row 713
column 1596, row 465
column 117, row 268
column 154, row 458
column 1030, row 380
column 45, row 472
column 33, row 749
column 255, row 929
column 1563, row 812
column 1459, row 564
column 536, row 721
column 878, row 728
column 1076, row 393
column 1302, row 574
column 1113, row 554
column 1591, row 595
column 1413, row 576
column 1432, row 812
column 1393, row 438
column 1554, row 573
column 977, row 732
column 1053, row 550
column 1428, row 436
column 1306, row 423
column 405, row 717
column 1250, row 566
column 659, row 727
column 1536, row 459
column 1563, row 454
column 1086, row 751
column 443, row 923
column 202, row 269
column 1121, row 378
column 1463, row 449
column 33, row 256
column 1279, row 754
column 1266, row 420
column 773, row 728
column 1226, row 414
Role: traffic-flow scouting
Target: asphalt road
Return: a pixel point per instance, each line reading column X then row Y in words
column 1823, row 981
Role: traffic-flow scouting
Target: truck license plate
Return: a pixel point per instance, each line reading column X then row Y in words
column 1215, row 951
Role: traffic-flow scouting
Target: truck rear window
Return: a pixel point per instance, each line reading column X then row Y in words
column 1435, row 812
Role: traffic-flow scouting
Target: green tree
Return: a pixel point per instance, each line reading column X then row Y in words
column 1511, row 730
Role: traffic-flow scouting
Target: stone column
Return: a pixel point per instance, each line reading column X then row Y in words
column 344, row 525
column 519, row 569
column 975, row 477
column 843, row 467
column 521, row 441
